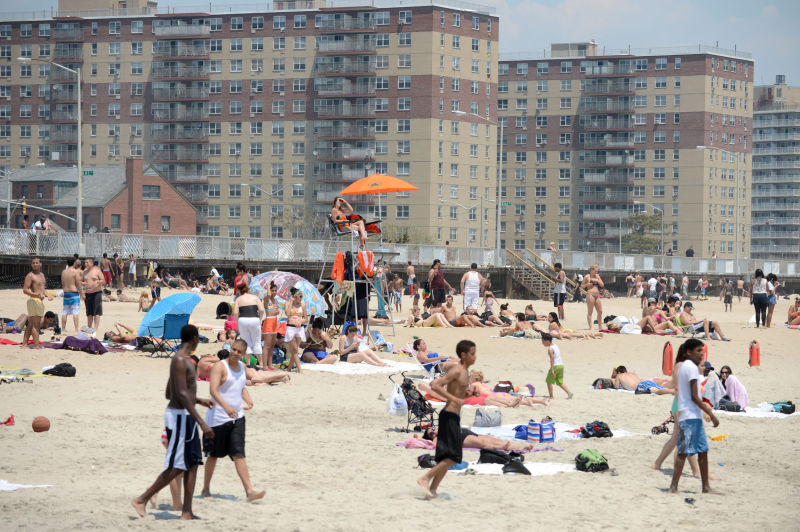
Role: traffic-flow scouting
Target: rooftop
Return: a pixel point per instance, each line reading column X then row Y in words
column 98, row 189
column 632, row 52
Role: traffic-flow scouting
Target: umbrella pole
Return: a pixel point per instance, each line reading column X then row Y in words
column 380, row 223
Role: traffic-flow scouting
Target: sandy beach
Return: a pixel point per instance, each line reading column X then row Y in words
column 324, row 447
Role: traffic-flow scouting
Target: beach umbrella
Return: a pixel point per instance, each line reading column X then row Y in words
column 312, row 300
column 378, row 184
column 176, row 304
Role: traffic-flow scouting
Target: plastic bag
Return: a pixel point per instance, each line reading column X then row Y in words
column 396, row 404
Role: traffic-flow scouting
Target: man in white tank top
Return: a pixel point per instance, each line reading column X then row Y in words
column 471, row 284
column 227, row 384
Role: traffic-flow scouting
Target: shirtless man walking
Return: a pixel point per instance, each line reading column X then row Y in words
column 71, row 285
column 453, row 388
column 33, row 287
column 412, row 279
column 181, row 419
column 105, row 266
column 94, row 282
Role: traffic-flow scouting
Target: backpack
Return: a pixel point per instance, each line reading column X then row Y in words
column 143, row 343
column 728, row 405
column 491, row 456
column 600, row 384
column 426, row 461
column 504, row 386
column 65, row 369
column 784, row 407
column 596, row 429
column 591, row 461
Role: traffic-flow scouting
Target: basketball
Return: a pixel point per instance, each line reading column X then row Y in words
column 41, row 424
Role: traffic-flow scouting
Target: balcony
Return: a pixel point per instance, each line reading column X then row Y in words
column 181, row 176
column 609, row 70
column 329, row 196
column 776, row 164
column 339, row 153
column 776, row 136
column 608, row 160
column 347, row 110
column 606, row 107
column 602, row 87
column 60, row 75
column 346, row 46
column 784, row 233
column 180, row 114
column 345, row 175
column 64, row 116
column 68, row 55
column 773, row 220
column 610, row 124
column 179, row 155
column 773, row 177
column 64, row 136
column 346, row 25
column 196, row 196
column 590, row 143
column 338, row 69
column 68, row 34
column 773, row 150
column 179, row 72
column 344, row 89
column 64, row 157
column 180, row 93
column 179, row 134
column 166, row 51
column 183, row 30
column 776, row 123
column 64, row 95
column 608, row 214
column 606, row 196
column 773, row 248
column 775, row 192
column 345, row 132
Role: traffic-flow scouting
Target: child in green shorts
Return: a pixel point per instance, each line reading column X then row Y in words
column 556, row 373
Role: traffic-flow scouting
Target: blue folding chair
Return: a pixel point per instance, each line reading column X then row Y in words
column 171, row 335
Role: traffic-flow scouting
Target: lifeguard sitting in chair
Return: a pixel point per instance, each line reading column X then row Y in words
column 342, row 217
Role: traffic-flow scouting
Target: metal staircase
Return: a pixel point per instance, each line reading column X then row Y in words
column 533, row 272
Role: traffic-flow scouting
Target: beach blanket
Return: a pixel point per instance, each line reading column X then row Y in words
column 8, row 486
column 92, row 345
column 612, row 390
column 753, row 412
column 362, row 368
column 6, row 341
column 564, row 431
column 421, row 443
column 537, row 469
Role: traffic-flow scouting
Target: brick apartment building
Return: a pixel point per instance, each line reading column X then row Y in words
column 261, row 118
column 592, row 137
column 126, row 199
column 776, row 172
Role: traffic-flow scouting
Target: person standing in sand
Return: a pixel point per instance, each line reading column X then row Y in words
column 105, row 266
column 555, row 374
column 560, row 289
column 471, row 284
column 71, row 285
column 412, row 279
column 33, row 287
column 592, row 283
column 93, row 282
column 227, row 384
column 453, row 388
column 181, row 420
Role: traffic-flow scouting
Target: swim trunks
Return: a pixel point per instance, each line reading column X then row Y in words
column 107, row 277
column 692, row 437
column 558, row 378
column 72, row 304
column 647, row 385
column 183, row 440
column 448, row 442
column 35, row 307
column 94, row 304
column 228, row 440
column 270, row 325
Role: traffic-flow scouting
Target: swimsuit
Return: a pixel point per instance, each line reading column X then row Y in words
column 72, row 304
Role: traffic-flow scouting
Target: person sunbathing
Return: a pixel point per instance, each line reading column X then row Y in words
column 478, row 387
column 353, row 350
column 470, row 440
column 506, row 315
column 144, row 301
column 556, row 330
column 628, row 380
column 48, row 322
column 694, row 325
column 434, row 320
column 531, row 314
column 424, row 356
column 253, row 376
column 523, row 328
column 339, row 214
column 122, row 335
column 484, row 396
column 793, row 315
column 472, row 319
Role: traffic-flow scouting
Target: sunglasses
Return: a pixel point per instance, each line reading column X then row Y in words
column 724, row 372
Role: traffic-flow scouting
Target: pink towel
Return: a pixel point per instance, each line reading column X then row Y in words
column 736, row 391
column 417, row 443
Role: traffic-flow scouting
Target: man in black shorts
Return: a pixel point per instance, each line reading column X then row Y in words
column 452, row 387
column 227, row 384
column 93, row 283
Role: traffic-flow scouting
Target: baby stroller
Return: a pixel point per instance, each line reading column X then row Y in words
column 663, row 428
column 420, row 411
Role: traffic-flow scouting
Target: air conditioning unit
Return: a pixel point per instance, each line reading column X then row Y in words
column 525, row 128
column 39, row 195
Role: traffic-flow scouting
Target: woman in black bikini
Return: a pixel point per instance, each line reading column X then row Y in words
column 592, row 283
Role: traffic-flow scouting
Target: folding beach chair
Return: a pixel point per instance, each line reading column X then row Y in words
column 171, row 337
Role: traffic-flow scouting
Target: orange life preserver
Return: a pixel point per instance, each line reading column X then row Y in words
column 755, row 354
column 666, row 359
column 337, row 273
column 366, row 263
column 705, row 353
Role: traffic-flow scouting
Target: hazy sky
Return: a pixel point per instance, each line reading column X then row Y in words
column 762, row 27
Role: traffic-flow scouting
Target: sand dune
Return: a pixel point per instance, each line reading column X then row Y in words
column 324, row 447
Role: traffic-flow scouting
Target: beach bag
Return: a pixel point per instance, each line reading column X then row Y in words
column 426, row 461
column 64, row 369
column 396, row 404
column 145, row 344
column 591, row 461
column 504, row 387
column 541, row 432
column 784, row 407
column 490, row 456
column 484, row 418
column 600, row 384
column 596, row 429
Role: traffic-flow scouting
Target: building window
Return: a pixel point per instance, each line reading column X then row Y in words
column 116, row 222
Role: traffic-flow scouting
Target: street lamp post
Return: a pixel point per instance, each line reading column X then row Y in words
column 500, row 123
column 466, row 208
column 662, row 220
column 79, row 206
column 269, row 195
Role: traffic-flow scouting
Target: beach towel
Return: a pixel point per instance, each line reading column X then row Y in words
column 536, row 469
column 8, row 486
column 6, row 341
column 92, row 345
column 564, row 431
column 421, row 443
column 713, row 390
column 362, row 368
column 736, row 391
column 753, row 412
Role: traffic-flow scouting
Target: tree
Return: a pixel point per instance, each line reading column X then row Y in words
column 641, row 237
column 405, row 235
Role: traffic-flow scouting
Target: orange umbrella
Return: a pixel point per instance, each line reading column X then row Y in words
column 378, row 184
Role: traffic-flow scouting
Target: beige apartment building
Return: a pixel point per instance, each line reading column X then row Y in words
column 262, row 118
column 776, row 172
column 591, row 137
